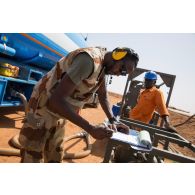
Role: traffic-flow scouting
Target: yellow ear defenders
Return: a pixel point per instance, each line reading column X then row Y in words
column 120, row 53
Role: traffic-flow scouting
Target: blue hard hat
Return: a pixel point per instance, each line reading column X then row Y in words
column 150, row 75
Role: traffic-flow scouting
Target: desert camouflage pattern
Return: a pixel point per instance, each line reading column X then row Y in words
column 41, row 138
column 42, row 134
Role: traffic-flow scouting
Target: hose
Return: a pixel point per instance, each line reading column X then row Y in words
column 186, row 121
column 82, row 154
column 9, row 152
column 14, row 140
column 24, row 101
column 16, row 152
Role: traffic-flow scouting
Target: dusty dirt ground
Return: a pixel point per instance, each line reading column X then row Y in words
column 11, row 122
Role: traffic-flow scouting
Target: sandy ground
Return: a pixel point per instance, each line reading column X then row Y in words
column 11, row 122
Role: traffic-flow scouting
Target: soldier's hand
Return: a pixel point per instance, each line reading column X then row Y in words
column 113, row 127
column 101, row 132
column 118, row 126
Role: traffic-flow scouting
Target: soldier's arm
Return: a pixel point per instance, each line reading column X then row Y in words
column 57, row 102
column 103, row 99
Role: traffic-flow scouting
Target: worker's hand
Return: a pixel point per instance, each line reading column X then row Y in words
column 101, row 132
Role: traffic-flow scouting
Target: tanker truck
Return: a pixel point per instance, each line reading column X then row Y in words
column 27, row 57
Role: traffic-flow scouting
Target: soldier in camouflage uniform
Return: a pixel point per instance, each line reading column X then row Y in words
column 62, row 92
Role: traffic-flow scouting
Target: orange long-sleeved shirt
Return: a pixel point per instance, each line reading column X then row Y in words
column 149, row 100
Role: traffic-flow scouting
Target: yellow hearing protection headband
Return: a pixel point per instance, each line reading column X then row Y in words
column 118, row 55
column 120, row 52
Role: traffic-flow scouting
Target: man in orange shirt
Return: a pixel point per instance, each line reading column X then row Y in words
column 149, row 100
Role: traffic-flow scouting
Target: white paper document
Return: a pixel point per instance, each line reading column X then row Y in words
column 138, row 140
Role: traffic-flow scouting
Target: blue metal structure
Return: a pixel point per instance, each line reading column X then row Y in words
column 34, row 54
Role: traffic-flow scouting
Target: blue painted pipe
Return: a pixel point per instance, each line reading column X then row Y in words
column 7, row 50
column 34, row 58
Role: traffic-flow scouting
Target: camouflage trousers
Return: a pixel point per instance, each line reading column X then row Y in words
column 41, row 137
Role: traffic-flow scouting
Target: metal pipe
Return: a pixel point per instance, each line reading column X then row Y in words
column 7, row 50
column 172, row 156
column 150, row 128
column 124, row 95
